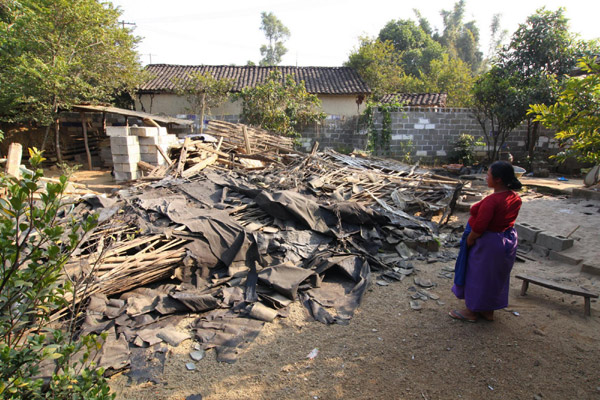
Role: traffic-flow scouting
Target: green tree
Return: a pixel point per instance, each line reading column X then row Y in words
column 461, row 39
column 280, row 105
column 576, row 114
column 276, row 33
column 203, row 92
column 497, row 108
column 541, row 53
column 56, row 53
column 414, row 46
column 378, row 64
column 451, row 76
column 497, row 36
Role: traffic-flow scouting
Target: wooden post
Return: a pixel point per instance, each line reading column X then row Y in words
column 13, row 160
column 86, row 142
column 57, row 140
column 246, row 140
column 524, row 287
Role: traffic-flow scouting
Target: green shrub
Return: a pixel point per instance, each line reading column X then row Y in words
column 462, row 149
column 34, row 247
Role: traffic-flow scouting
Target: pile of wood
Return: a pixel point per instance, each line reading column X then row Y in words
column 238, row 146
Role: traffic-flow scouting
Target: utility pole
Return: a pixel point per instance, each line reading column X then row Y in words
column 149, row 56
column 123, row 23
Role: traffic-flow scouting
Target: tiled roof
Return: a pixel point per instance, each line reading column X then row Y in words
column 318, row 80
column 417, row 99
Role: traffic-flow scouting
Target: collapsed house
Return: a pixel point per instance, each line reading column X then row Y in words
column 232, row 228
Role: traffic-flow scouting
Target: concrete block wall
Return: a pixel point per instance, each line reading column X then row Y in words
column 125, row 156
column 429, row 133
column 433, row 132
column 132, row 145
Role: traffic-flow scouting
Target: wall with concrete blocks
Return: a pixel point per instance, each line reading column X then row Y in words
column 428, row 132
column 546, row 243
column 433, row 131
column 130, row 145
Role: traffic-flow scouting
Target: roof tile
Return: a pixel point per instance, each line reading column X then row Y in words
column 318, row 80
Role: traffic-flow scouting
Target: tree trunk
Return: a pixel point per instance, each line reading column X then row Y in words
column 85, row 141
column 46, row 134
column 533, row 137
column 57, row 140
column 202, row 112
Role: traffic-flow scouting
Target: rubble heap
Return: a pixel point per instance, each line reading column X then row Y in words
column 234, row 243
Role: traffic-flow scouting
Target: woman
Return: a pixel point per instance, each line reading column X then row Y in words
column 489, row 248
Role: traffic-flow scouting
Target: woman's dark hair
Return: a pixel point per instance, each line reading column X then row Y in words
column 505, row 171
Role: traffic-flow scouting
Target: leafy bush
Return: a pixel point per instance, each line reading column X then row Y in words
column 462, row 149
column 280, row 105
column 38, row 360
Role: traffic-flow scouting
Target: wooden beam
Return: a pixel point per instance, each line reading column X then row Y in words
column 200, row 166
column 182, row 157
column 13, row 160
column 151, row 122
column 85, row 141
column 246, row 140
column 164, row 155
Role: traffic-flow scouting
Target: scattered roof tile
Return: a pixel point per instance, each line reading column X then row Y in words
column 417, row 99
column 318, row 80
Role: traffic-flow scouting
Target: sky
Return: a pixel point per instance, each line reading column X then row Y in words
column 323, row 32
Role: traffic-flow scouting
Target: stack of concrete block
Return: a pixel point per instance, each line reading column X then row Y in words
column 150, row 138
column 125, row 155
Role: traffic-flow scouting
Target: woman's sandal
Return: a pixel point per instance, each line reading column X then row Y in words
column 487, row 317
column 457, row 315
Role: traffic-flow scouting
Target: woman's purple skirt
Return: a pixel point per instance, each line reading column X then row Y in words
column 489, row 263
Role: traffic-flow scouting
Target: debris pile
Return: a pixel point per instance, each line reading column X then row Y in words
column 234, row 247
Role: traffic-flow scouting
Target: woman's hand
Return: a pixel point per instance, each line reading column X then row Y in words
column 473, row 236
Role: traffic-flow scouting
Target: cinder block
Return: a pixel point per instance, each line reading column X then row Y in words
column 527, row 232
column 540, row 250
column 124, row 141
column 125, row 150
column 162, row 131
column 553, row 242
column 144, row 131
column 564, row 258
column 148, row 141
column 591, row 268
column 125, row 167
column 125, row 176
column 148, row 149
column 126, row 159
column 153, row 159
column 117, row 131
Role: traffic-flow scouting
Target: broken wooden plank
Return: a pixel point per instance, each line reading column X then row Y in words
column 199, row 167
column 246, row 140
column 182, row 157
column 164, row 155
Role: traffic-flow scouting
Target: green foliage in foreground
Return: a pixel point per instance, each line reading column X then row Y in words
column 576, row 114
column 38, row 361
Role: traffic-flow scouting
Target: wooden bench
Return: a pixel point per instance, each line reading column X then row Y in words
column 527, row 279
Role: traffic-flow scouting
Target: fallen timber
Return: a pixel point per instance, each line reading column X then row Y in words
column 247, row 223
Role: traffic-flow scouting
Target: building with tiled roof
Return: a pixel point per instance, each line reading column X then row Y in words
column 417, row 99
column 340, row 89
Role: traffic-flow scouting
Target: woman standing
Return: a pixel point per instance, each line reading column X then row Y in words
column 489, row 248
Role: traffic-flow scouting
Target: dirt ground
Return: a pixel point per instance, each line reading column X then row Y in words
column 540, row 347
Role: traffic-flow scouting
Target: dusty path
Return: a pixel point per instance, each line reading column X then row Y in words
column 548, row 351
